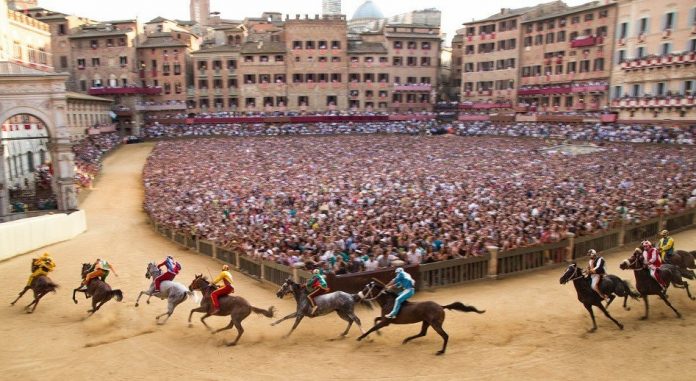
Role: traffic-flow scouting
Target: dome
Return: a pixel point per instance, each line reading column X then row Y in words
column 368, row 11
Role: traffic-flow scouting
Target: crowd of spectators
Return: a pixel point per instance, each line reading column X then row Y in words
column 350, row 203
column 88, row 156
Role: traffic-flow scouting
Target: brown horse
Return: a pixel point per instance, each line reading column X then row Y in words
column 684, row 260
column 235, row 306
column 97, row 289
column 646, row 285
column 41, row 285
column 429, row 313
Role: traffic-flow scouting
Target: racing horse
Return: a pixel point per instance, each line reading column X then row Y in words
column 99, row 290
column 235, row 306
column 684, row 260
column 611, row 285
column 428, row 312
column 41, row 285
column 341, row 302
column 175, row 292
column 646, row 285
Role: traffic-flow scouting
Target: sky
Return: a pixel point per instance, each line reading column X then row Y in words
column 454, row 12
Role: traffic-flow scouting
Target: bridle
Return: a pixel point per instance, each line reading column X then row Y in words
column 368, row 296
column 576, row 277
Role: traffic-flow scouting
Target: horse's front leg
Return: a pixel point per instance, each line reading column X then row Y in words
column 298, row 319
column 137, row 301
column 21, row 293
column 198, row 309
column 383, row 323
column 292, row 315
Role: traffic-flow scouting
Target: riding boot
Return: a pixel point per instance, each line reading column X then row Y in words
column 314, row 310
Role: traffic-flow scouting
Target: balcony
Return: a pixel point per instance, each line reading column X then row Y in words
column 413, row 87
column 125, row 91
column 485, row 105
column 586, row 41
column 580, row 88
column 659, row 61
column 551, row 90
column 653, row 102
column 161, row 107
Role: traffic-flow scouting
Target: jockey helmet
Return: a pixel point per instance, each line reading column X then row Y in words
column 45, row 255
column 399, row 270
column 646, row 244
column 225, row 268
column 664, row 233
column 316, row 271
column 592, row 252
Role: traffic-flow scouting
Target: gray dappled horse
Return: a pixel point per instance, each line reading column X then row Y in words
column 341, row 302
column 175, row 292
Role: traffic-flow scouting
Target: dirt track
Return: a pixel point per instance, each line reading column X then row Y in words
column 534, row 328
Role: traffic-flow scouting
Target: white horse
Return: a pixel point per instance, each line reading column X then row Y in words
column 174, row 292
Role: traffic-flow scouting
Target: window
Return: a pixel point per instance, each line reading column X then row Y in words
column 584, row 66
column 61, row 29
column 232, row 83
column 95, row 62
column 468, row 67
column 335, row 44
column 575, row 20
column 297, row 44
column 640, row 52
column 573, row 36
column 538, row 39
column 692, row 45
column 336, row 77
column 660, row 88
column 688, row 87
column 604, row 13
column 425, row 61
column 549, row 38
column 666, row 48
column 669, row 21
column 94, row 44
column 636, row 90
column 123, row 60
column 279, row 58
column 323, row 45
column 643, row 26
column 561, row 36
column 231, row 64
column 527, row 42
column 569, row 102
column 621, row 56
column 425, row 45
column 303, row 100
column 63, row 61
column 263, row 59
column 617, row 92
column 250, row 102
column 572, row 67
column 309, row 45
column 177, row 68
column 397, row 61
column 599, row 64
column 109, row 42
column 623, row 30
column 398, row 45
column 122, row 41
column 411, row 61
column 589, row 16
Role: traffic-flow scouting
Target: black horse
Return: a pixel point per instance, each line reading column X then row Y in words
column 428, row 312
column 646, row 285
column 611, row 285
column 684, row 260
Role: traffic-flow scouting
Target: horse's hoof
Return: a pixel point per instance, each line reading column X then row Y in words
column 591, row 330
column 232, row 344
column 75, row 301
column 679, row 316
column 621, row 327
column 643, row 318
column 148, row 302
column 136, row 304
column 360, row 338
column 190, row 325
column 627, row 308
column 404, row 342
column 440, row 353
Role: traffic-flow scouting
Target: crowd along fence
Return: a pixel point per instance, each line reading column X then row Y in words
column 493, row 264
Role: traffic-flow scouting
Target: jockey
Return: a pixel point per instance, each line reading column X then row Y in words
column 100, row 269
column 316, row 285
column 41, row 266
column 652, row 261
column 173, row 268
column 226, row 277
column 596, row 271
column 404, row 281
column 666, row 245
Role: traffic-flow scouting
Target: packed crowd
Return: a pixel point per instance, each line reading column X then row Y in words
column 88, row 156
column 350, row 203
column 575, row 132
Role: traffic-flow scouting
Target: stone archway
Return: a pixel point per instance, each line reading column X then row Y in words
column 41, row 95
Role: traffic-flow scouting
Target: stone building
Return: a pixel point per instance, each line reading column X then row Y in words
column 654, row 71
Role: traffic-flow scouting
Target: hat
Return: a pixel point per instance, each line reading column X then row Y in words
column 399, row 270
column 225, row 268
column 664, row 232
column 592, row 252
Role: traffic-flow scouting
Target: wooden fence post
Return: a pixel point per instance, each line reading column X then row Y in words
column 493, row 262
column 236, row 259
column 263, row 270
column 622, row 233
column 571, row 246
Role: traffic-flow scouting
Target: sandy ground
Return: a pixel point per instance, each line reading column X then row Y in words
column 534, row 328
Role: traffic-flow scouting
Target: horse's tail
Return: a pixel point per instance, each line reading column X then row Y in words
column 51, row 287
column 459, row 306
column 116, row 293
column 267, row 313
column 357, row 298
column 630, row 291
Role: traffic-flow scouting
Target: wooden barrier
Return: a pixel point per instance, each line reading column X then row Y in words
column 276, row 273
column 646, row 230
column 180, row 239
column 206, row 248
column 522, row 259
column 225, row 256
column 680, row 221
column 604, row 241
column 250, row 267
column 192, row 243
column 455, row 271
